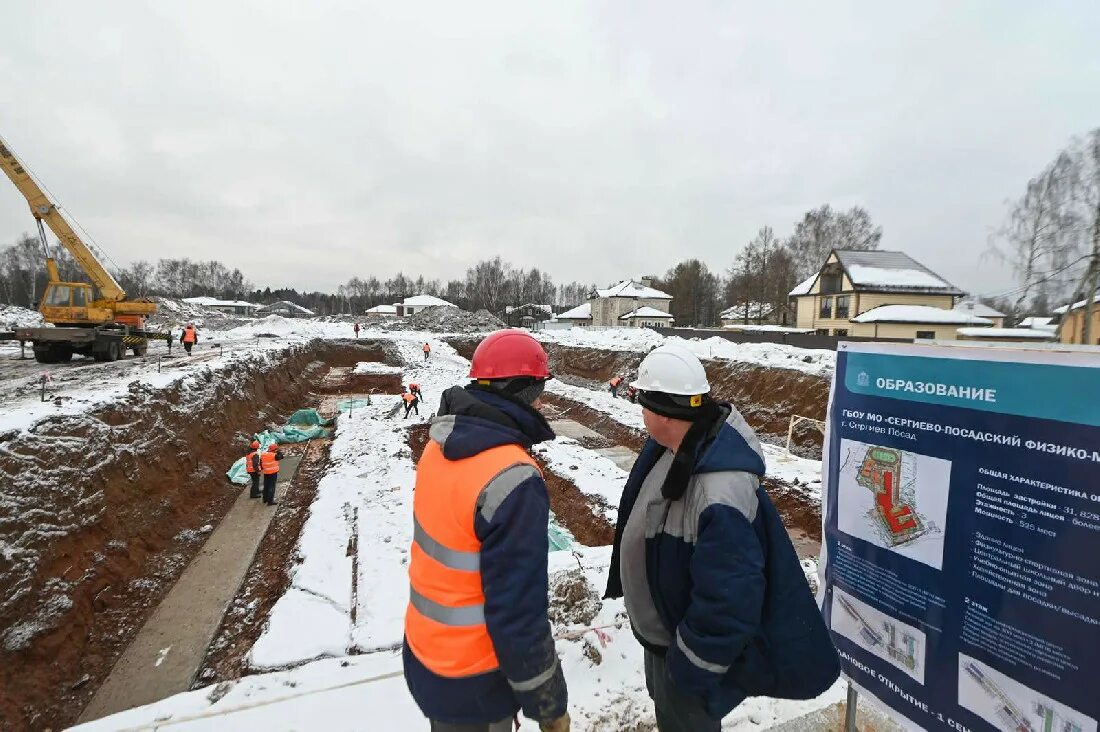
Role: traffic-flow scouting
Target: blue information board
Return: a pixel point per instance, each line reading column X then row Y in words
column 961, row 547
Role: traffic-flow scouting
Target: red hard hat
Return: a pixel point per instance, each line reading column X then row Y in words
column 255, row 445
column 272, row 447
column 507, row 354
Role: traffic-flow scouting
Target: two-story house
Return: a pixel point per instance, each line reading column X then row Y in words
column 630, row 303
column 879, row 294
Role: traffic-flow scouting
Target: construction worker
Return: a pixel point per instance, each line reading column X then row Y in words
column 189, row 337
column 712, row 584
column 356, row 330
column 427, row 351
column 478, row 645
column 269, row 465
column 252, row 465
column 414, row 388
column 631, row 393
column 614, row 383
column 411, row 403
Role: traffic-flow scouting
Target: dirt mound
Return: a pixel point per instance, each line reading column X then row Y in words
column 13, row 316
column 173, row 313
column 573, row 599
column 442, row 319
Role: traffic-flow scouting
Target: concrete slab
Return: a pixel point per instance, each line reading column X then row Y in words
column 576, row 430
column 624, row 457
column 166, row 653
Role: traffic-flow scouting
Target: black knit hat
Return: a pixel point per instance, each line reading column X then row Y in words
column 690, row 408
column 522, row 388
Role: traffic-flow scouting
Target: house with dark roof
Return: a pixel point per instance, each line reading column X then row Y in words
column 880, row 294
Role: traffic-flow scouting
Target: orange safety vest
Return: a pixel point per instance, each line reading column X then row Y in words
column 445, row 618
column 408, row 397
column 249, row 461
column 427, row 348
column 616, row 381
column 188, row 335
column 269, row 465
column 414, row 387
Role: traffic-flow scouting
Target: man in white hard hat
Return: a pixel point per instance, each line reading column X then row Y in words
column 712, row 584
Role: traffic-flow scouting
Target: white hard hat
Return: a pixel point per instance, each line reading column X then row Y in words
column 672, row 370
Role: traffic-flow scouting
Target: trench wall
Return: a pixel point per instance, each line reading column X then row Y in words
column 100, row 513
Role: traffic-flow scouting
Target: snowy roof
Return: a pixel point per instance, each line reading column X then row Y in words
column 803, row 287
column 756, row 310
column 766, row 328
column 630, row 288
column 1079, row 304
column 892, row 272
column 383, row 309
column 289, row 304
column 213, row 302
column 425, row 301
column 918, row 314
column 645, row 312
column 975, row 307
column 581, row 312
column 995, row 333
column 1036, row 322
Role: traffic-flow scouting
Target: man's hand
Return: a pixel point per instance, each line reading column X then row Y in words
column 561, row 724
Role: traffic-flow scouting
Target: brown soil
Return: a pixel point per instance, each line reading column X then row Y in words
column 269, row 575
column 114, row 504
column 616, row 432
column 573, row 510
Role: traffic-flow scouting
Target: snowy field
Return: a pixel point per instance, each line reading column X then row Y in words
column 328, row 656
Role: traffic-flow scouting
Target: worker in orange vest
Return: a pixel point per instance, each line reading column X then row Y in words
column 252, row 465
column 415, row 389
column 427, row 351
column 411, row 403
column 615, row 381
column 478, row 645
column 189, row 337
column 269, row 466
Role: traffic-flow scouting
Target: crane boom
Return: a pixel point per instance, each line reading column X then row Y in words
column 43, row 209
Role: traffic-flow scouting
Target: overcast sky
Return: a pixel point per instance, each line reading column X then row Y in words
column 307, row 142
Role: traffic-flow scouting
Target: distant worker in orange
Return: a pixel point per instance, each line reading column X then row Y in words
column 427, row 351
column 478, row 645
column 412, row 403
column 252, row 465
column 269, row 464
column 614, row 383
column 189, row 337
column 356, row 330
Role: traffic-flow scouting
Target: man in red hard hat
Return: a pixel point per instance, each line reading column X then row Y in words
column 478, row 646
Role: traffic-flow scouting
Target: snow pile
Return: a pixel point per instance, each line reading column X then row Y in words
column 445, row 319
column 173, row 313
column 13, row 316
column 276, row 326
column 772, row 355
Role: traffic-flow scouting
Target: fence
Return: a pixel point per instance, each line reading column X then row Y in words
column 799, row 340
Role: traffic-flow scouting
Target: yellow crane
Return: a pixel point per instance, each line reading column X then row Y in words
column 93, row 319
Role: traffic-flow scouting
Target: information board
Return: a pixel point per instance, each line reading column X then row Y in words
column 961, row 547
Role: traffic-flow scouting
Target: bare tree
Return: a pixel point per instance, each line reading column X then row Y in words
column 695, row 293
column 822, row 229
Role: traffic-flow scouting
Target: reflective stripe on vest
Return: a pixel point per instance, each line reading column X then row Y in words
column 249, row 461
column 445, row 618
column 268, row 463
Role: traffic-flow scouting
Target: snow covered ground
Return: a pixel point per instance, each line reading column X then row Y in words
column 774, row 355
column 335, row 631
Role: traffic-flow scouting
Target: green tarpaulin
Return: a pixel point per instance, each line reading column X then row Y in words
column 560, row 538
column 305, row 424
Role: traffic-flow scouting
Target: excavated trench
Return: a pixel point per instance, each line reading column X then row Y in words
column 103, row 511
column 767, row 397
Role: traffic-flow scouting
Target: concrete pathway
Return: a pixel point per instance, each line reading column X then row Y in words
column 166, row 653
column 575, row 430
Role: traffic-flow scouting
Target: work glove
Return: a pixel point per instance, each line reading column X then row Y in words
column 561, row 724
